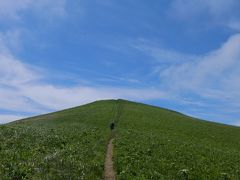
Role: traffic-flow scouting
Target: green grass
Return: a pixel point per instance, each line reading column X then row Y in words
column 154, row 143
column 150, row 143
column 65, row 145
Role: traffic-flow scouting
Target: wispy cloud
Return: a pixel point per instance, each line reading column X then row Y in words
column 8, row 118
column 208, row 78
column 23, row 89
column 13, row 9
column 220, row 12
column 189, row 71
column 195, row 82
column 163, row 55
column 236, row 123
column 209, row 72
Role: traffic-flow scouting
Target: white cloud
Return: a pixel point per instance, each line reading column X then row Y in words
column 234, row 24
column 217, row 67
column 164, row 55
column 214, row 7
column 12, row 9
column 22, row 89
column 56, row 98
column 213, row 76
column 12, row 39
column 13, row 100
column 236, row 123
column 222, row 12
column 8, row 118
column 13, row 72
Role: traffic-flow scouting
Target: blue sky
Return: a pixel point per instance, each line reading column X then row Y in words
column 178, row 54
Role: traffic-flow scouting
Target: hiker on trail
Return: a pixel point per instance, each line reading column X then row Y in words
column 112, row 125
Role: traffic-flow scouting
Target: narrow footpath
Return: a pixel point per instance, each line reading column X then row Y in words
column 109, row 173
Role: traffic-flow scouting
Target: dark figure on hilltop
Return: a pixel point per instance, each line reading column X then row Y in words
column 112, row 125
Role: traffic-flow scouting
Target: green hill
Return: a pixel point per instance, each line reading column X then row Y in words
column 149, row 143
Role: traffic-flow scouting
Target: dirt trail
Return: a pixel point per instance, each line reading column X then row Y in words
column 109, row 173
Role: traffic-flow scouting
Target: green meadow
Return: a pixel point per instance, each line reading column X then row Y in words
column 149, row 143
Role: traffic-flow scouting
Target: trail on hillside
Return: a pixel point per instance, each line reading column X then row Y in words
column 109, row 173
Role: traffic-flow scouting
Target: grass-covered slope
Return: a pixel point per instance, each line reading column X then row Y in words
column 154, row 143
column 150, row 143
column 65, row 145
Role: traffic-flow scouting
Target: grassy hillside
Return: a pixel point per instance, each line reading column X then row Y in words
column 150, row 143
column 154, row 143
column 65, row 145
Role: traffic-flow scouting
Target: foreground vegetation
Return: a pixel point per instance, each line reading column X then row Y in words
column 150, row 143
